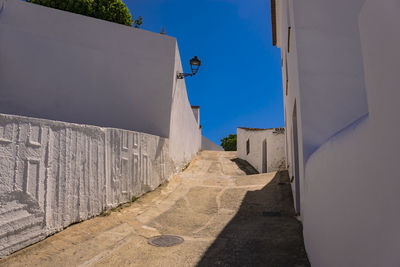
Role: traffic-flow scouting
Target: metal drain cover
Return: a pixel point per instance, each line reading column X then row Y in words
column 165, row 240
column 271, row 214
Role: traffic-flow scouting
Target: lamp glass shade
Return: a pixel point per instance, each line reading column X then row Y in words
column 195, row 61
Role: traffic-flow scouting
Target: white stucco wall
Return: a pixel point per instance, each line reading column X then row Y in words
column 349, row 187
column 63, row 66
column 59, row 65
column 291, row 92
column 323, row 37
column 275, row 148
column 207, row 144
column 185, row 132
column 360, row 163
column 312, row 84
column 53, row 174
column 66, row 67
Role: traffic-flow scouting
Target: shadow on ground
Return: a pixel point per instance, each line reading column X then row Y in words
column 264, row 232
column 245, row 166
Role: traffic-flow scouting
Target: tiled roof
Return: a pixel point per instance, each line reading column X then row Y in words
column 255, row 129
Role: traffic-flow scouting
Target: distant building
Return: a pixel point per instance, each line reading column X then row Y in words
column 340, row 68
column 264, row 149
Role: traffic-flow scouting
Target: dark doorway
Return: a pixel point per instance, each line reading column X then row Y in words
column 296, row 157
column 264, row 156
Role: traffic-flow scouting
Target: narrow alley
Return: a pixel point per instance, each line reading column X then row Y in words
column 226, row 214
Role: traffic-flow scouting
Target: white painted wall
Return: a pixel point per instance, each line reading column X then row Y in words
column 275, row 148
column 68, row 67
column 58, row 65
column 207, row 144
column 323, row 37
column 313, row 84
column 55, row 173
column 365, row 158
column 349, row 187
column 291, row 92
column 185, row 132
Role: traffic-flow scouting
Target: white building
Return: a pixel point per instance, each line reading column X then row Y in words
column 340, row 68
column 264, row 149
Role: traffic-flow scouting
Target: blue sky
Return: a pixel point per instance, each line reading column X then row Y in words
column 239, row 82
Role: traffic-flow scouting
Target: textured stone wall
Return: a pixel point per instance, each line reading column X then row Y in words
column 53, row 174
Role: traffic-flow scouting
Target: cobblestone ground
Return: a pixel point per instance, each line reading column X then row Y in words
column 227, row 214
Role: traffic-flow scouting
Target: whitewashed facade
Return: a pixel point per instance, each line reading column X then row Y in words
column 340, row 84
column 67, row 67
column 264, row 149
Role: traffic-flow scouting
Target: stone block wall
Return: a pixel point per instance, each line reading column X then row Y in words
column 53, row 174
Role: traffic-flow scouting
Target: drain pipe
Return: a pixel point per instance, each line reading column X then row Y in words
column 2, row 4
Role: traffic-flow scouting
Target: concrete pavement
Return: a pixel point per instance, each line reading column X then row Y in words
column 227, row 215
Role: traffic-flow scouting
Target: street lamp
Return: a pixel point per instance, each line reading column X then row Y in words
column 195, row 64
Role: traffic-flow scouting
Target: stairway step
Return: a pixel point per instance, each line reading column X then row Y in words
column 11, row 207
column 29, row 236
column 13, row 215
column 19, row 225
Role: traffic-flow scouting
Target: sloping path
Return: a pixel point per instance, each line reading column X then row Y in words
column 226, row 217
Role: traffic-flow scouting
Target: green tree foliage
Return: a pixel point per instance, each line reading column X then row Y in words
column 82, row 7
column 138, row 22
column 229, row 143
column 111, row 10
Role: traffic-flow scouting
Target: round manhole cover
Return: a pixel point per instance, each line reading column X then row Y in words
column 165, row 240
